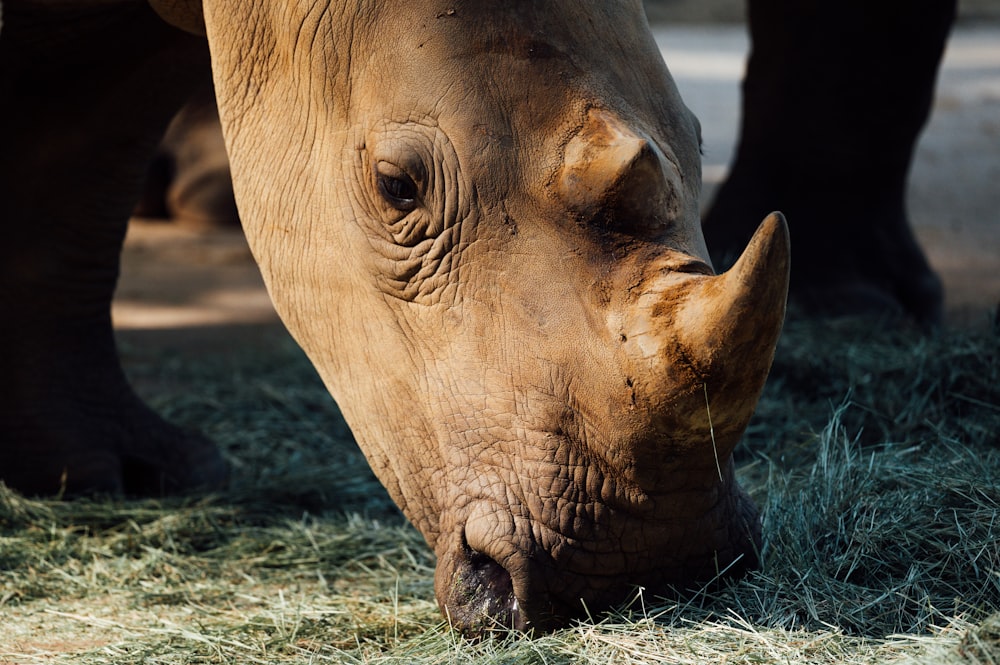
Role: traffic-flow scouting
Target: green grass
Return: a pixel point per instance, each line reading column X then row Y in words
column 874, row 456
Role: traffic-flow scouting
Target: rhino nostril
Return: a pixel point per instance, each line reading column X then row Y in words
column 477, row 594
column 495, row 584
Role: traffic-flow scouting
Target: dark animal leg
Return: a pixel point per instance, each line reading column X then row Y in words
column 835, row 96
column 83, row 101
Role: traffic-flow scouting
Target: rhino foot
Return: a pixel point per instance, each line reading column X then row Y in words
column 846, row 261
column 914, row 298
column 77, row 449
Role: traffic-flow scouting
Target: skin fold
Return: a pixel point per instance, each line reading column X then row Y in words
column 479, row 220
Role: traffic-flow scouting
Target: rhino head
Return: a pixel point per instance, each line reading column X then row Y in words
column 480, row 220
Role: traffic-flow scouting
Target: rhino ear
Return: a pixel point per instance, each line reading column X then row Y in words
column 183, row 14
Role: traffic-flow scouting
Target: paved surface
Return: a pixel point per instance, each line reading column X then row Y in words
column 174, row 278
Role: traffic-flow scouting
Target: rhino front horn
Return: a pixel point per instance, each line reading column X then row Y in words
column 707, row 342
column 728, row 327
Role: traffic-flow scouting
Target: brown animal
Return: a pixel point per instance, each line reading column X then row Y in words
column 188, row 179
column 480, row 220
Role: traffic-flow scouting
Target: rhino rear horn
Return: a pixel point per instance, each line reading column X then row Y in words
column 611, row 169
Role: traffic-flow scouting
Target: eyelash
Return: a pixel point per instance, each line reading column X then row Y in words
column 398, row 191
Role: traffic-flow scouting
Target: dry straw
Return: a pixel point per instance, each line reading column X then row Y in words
column 874, row 456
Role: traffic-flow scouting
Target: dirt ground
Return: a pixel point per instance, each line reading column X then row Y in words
column 182, row 286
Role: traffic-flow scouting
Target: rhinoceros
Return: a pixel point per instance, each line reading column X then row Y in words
column 479, row 220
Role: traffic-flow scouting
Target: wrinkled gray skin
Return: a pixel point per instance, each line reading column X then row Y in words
column 480, row 221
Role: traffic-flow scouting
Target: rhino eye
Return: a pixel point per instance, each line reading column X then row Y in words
column 396, row 187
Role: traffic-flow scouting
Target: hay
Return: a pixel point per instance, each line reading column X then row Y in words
column 874, row 456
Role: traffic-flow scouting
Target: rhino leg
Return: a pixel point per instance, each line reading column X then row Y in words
column 834, row 99
column 86, row 92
